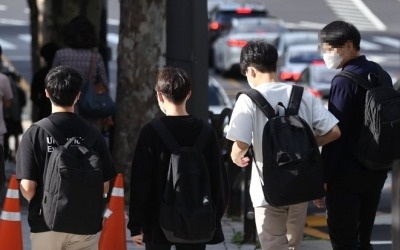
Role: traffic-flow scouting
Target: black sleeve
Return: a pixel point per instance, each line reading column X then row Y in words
column 218, row 175
column 144, row 160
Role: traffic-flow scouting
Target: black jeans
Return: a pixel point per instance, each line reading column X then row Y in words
column 352, row 201
column 178, row 247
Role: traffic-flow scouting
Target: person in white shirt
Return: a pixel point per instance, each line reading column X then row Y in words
column 278, row 228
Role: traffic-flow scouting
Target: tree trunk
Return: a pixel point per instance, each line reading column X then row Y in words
column 141, row 52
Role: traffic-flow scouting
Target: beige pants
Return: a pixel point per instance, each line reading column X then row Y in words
column 63, row 241
column 281, row 228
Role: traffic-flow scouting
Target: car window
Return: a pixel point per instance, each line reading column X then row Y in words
column 258, row 28
column 324, row 76
column 214, row 97
column 304, row 57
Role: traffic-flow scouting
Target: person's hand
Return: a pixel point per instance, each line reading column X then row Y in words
column 243, row 162
column 319, row 203
column 138, row 240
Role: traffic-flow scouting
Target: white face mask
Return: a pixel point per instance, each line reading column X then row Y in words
column 332, row 59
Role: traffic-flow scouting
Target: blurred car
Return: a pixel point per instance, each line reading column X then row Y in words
column 317, row 78
column 228, row 46
column 219, row 106
column 296, row 59
column 296, row 37
column 217, row 97
column 221, row 15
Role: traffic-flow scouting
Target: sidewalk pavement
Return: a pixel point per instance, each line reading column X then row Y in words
column 230, row 228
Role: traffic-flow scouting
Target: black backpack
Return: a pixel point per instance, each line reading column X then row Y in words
column 292, row 165
column 72, row 184
column 377, row 145
column 13, row 113
column 187, row 212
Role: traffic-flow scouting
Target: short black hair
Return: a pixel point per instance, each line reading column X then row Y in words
column 63, row 84
column 173, row 83
column 80, row 33
column 337, row 33
column 48, row 51
column 260, row 55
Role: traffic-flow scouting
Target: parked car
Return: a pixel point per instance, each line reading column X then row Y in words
column 218, row 106
column 217, row 97
column 296, row 37
column 296, row 59
column 222, row 13
column 317, row 77
column 228, row 46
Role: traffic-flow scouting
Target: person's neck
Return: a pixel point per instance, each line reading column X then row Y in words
column 58, row 109
column 265, row 78
column 175, row 110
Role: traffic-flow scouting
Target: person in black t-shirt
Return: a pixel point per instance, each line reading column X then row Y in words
column 150, row 165
column 63, row 86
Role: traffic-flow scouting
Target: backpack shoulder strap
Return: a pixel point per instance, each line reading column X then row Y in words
column 165, row 134
column 51, row 129
column 202, row 138
column 295, row 100
column 91, row 137
column 260, row 101
column 354, row 77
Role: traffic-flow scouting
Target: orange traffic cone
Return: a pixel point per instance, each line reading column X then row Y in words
column 10, row 220
column 113, row 235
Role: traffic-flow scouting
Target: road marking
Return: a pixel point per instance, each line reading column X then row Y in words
column 368, row 14
column 357, row 13
column 316, row 233
column 387, row 41
column 15, row 22
column 7, row 45
column 113, row 38
column 3, row 7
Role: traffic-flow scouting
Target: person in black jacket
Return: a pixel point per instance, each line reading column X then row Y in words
column 352, row 190
column 151, row 161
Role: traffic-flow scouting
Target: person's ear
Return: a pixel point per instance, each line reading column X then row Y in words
column 160, row 97
column 189, row 95
column 47, row 93
column 252, row 72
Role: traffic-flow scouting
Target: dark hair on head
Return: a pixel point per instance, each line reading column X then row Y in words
column 260, row 55
column 174, row 84
column 48, row 52
column 337, row 33
column 80, row 33
column 63, row 85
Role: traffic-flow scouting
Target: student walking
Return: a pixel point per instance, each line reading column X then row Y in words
column 63, row 86
column 353, row 191
column 151, row 164
column 278, row 227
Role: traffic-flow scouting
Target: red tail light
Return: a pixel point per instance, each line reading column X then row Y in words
column 317, row 62
column 315, row 92
column 296, row 76
column 286, row 76
column 214, row 25
column 243, row 11
column 237, row 43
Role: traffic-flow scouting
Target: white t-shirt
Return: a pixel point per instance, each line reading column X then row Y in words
column 247, row 124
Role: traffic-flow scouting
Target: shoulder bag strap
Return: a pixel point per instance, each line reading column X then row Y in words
column 295, row 100
column 92, row 66
column 260, row 101
column 354, row 77
column 165, row 134
column 51, row 129
column 202, row 138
